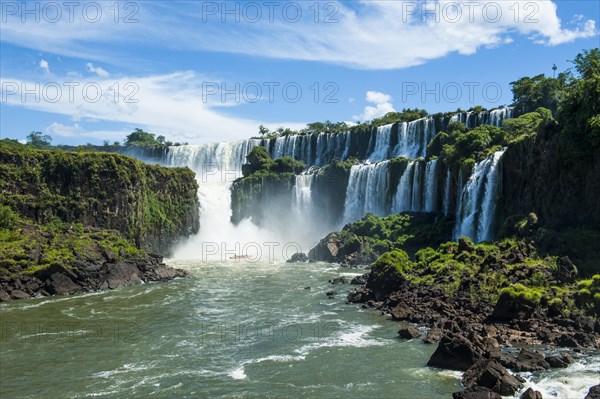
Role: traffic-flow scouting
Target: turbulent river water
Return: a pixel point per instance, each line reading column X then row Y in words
column 234, row 329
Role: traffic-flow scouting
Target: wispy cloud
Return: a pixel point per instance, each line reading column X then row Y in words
column 97, row 70
column 44, row 66
column 170, row 104
column 364, row 34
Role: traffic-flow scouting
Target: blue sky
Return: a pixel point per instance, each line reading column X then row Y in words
column 201, row 71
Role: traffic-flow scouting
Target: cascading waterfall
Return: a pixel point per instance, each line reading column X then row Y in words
column 366, row 192
column 431, row 185
column 447, row 192
column 475, row 212
column 216, row 166
column 383, row 137
column 402, row 201
column 302, row 196
column 413, row 138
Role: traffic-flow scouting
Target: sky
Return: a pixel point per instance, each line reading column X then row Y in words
column 206, row 71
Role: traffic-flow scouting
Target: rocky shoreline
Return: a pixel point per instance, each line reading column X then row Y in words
column 93, row 277
column 481, row 339
column 64, row 260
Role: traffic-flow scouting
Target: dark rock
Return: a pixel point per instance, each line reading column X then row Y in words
column 529, row 360
column 298, row 257
column 531, row 394
column 465, row 245
column 567, row 271
column 490, row 374
column 307, row 288
column 560, row 361
column 61, row 284
column 122, row 274
column 360, row 280
column 409, row 333
column 593, row 393
column 510, row 308
column 454, row 352
column 476, row 392
column 330, row 293
column 4, row 297
column 359, row 295
column 401, row 312
column 326, row 250
column 339, row 280
column 18, row 294
column 433, row 335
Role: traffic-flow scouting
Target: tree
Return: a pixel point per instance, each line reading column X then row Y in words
column 106, row 143
column 263, row 130
column 39, row 140
column 532, row 93
column 140, row 138
column 161, row 139
column 579, row 113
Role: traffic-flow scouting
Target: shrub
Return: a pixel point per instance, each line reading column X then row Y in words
column 7, row 217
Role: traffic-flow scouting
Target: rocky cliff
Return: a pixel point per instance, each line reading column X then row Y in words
column 149, row 205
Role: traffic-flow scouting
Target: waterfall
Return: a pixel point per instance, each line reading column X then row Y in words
column 366, row 191
column 475, row 212
column 431, row 187
column 302, row 195
column 413, row 138
column 402, row 200
column 216, row 166
column 382, row 143
column 447, row 193
column 417, row 197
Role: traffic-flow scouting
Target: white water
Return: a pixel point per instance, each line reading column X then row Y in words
column 475, row 212
column 366, row 192
column 402, row 200
column 447, row 192
column 383, row 137
column 216, row 166
column 431, row 186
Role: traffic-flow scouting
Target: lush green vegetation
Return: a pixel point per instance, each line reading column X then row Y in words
column 378, row 235
column 146, row 203
column 27, row 248
column 485, row 272
column 261, row 165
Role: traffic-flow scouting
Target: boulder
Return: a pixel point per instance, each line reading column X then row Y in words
column 326, row 250
column 490, row 374
column 60, row 284
column 401, row 312
column 531, row 394
column 566, row 270
column 593, row 393
column 339, row 280
column 18, row 294
column 529, row 360
column 454, row 352
column 298, row 257
column 433, row 335
column 121, row 274
column 360, row 280
column 510, row 308
column 476, row 392
column 409, row 333
column 560, row 361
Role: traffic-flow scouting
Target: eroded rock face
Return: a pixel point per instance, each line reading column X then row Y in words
column 326, row 250
column 476, row 392
column 409, row 332
column 531, row 394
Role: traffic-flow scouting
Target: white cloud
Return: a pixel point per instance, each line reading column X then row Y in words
column 44, row 65
column 170, row 104
column 368, row 34
column 383, row 105
column 97, row 70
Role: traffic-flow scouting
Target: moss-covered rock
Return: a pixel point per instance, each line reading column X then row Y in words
column 150, row 205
